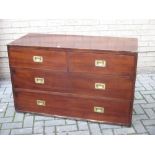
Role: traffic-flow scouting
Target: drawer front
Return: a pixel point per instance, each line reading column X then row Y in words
column 105, row 86
column 37, row 58
column 101, row 63
column 39, row 79
column 102, row 110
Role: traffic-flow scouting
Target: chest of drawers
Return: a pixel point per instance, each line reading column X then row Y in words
column 81, row 77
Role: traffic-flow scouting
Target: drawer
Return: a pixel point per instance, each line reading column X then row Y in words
column 37, row 58
column 39, row 79
column 93, row 109
column 103, row 86
column 101, row 63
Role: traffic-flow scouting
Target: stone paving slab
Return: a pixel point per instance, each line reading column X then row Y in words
column 143, row 119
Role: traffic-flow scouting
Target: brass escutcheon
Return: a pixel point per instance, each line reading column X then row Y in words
column 41, row 102
column 39, row 80
column 99, row 109
column 38, row 59
column 100, row 86
column 100, row 63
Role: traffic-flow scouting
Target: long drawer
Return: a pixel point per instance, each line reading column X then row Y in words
column 102, row 86
column 101, row 63
column 93, row 109
column 37, row 58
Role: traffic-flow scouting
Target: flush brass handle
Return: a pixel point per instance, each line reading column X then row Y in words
column 99, row 109
column 41, row 102
column 100, row 63
column 38, row 59
column 39, row 80
column 100, row 86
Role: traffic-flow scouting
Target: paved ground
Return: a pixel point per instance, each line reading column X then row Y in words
column 143, row 121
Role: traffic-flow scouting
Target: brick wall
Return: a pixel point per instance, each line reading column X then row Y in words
column 144, row 30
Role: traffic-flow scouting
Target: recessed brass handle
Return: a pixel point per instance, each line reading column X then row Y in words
column 100, row 63
column 100, row 86
column 39, row 80
column 38, row 59
column 41, row 102
column 99, row 109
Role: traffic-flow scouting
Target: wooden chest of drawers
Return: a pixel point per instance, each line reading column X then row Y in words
column 82, row 77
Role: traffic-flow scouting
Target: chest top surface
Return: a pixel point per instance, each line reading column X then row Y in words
column 77, row 42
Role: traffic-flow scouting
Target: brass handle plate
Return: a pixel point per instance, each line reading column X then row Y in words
column 100, row 63
column 39, row 80
column 38, row 59
column 99, row 109
column 100, row 86
column 41, row 102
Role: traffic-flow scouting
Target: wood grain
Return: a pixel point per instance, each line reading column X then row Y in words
column 70, row 75
column 116, row 87
column 23, row 57
column 116, row 64
column 77, row 42
column 73, row 107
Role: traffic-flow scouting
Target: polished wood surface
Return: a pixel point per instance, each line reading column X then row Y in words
column 115, row 111
column 69, row 76
column 25, row 78
column 23, row 58
column 117, row 64
column 116, row 87
column 77, row 42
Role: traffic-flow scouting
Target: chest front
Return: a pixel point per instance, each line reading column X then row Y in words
column 73, row 82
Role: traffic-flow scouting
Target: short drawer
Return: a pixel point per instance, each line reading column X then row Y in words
column 93, row 109
column 37, row 58
column 101, row 63
column 39, row 79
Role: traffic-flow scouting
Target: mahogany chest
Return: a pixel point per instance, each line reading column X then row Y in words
column 81, row 77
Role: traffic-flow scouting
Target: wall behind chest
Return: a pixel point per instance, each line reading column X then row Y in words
column 144, row 30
